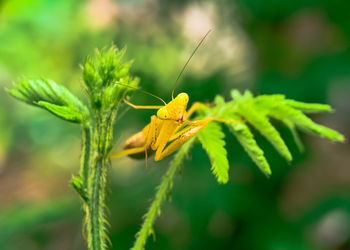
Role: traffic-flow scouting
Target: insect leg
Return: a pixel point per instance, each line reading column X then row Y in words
column 190, row 112
column 218, row 120
column 149, row 133
column 167, row 129
column 193, row 108
column 130, row 151
column 179, row 138
column 182, row 137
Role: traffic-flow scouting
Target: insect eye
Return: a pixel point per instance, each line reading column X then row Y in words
column 163, row 114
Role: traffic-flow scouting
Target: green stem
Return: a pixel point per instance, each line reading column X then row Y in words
column 81, row 183
column 103, row 134
column 163, row 191
column 85, row 157
column 96, row 207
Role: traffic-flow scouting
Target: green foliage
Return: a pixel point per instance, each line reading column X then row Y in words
column 257, row 111
column 256, row 115
column 246, row 139
column 237, row 113
column 53, row 97
column 107, row 78
column 163, row 191
column 307, row 107
column 107, row 81
column 78, row 184
column 212, row 140
column 39, row 37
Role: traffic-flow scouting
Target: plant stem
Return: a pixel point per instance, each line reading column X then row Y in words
column 85, row 157
column 97, row 184
column 81, row 183
column 162, row 193
column 96, row 207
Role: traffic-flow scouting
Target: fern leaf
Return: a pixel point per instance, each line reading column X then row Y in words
column 256, row 116
column 291, row 113
column 295, row 134
column 246, row 139
column 309, row 107
column 294, row 116
column 212, row 141
column 257, row 111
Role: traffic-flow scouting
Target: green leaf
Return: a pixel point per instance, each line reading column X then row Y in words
column 64, row 112
column 212, row 141
column 53, row 97
column 246, row 139
column 309, row 107
column 294, row 116
column 78, row 185
column 295, row 134
column 256, row 115
column 258, row 111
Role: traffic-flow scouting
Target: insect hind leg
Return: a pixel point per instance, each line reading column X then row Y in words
column 129, row 152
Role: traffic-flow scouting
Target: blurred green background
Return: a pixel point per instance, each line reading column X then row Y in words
column 293, row 47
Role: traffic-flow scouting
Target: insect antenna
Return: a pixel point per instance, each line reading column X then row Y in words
column 148, row 93
column 188, row 60
column 143, row 91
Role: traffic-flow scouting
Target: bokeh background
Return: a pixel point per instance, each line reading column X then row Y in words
column 293, row 47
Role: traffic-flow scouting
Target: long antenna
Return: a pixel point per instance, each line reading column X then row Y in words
column 152, row 95
column 188, row 60
column 143, row 91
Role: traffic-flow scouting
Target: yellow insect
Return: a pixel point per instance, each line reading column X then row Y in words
column 170, row 126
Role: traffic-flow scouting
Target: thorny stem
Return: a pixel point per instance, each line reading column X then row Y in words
column 96, row 228
column 81, row 183
column 97, row 183
column 85, row 157
column 163, row 190
column 107, row 81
